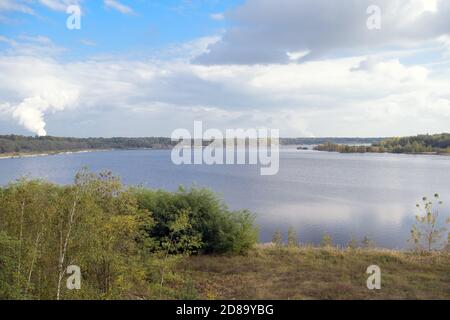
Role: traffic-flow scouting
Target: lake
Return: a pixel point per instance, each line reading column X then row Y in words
column 344, row 195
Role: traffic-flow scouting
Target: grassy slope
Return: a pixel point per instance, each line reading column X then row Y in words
column 318, row 273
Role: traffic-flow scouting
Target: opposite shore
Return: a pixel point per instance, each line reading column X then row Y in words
column 437, row 144
column 18, row 155
column 14, row 146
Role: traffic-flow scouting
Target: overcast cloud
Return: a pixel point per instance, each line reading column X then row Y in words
column 264, row 31
column 352, row 83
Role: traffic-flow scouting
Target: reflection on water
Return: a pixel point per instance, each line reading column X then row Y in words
column 345, row 195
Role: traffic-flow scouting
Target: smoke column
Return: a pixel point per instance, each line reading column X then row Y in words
column 30, row 112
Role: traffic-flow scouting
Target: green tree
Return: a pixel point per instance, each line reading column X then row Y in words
column 127, row 242
column 292, row 238
column 94, row 224
column 327, row 241
column 426, row 234
column 176, row 245
column 277, row 238
column 353, row 244
column 9, row 288
column 367, row 242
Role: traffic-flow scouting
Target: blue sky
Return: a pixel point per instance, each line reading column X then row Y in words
column 146, row 68
column 106, row 30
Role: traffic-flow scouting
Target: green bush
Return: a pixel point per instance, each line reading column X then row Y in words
column 220, row 230
column 9, row 283
column 127, row 242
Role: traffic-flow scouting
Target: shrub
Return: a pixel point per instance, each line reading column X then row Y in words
column 277, row 239
column 292, row 237
column 353, row 244
column 367, row 243
column 219, row 229
column 426, row 234
column 327, row 241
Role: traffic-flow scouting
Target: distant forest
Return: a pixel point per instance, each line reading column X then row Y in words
column 315, row 141
column 22, row 144
column 11, row 144
column 437, row 143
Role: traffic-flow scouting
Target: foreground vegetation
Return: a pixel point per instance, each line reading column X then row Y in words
column 126, row 241
column 319, row 273
column 136, row 243
column 437, row 144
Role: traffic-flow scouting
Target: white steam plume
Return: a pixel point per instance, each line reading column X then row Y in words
column 30, row 112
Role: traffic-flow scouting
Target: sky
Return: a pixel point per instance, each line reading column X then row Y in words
column 310, row 68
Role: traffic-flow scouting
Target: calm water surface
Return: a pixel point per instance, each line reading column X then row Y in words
column 345, row 195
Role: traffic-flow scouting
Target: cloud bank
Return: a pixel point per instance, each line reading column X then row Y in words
column 279, row 66
column 264, row 31
column 327, row 97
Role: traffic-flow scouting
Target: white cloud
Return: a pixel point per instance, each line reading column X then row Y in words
column 88, row 42
column 30, row 112
column 317, row 98
column 188, row 50
column 217, row 16
column 445, row 41
column 38, row 88
column 12, row 5
column 32, row 46
column 250, row 76
column 116, row 5
column 294, row 56
column 264, row 30
column 59, row 5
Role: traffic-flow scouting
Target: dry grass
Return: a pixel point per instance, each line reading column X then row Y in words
column 319, row 273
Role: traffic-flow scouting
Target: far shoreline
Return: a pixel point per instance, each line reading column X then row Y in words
column 19, row 155
column 405, row 153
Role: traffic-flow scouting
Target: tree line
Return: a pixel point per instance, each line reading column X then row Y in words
column 437, row 143
column 11, row 144
column 23, row 144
